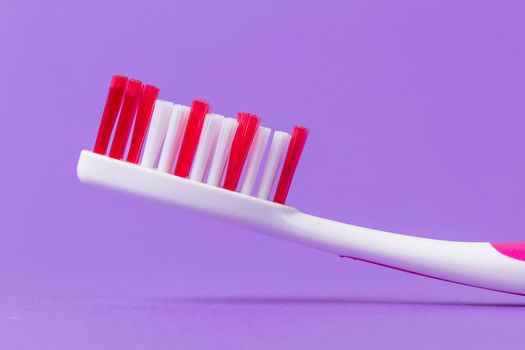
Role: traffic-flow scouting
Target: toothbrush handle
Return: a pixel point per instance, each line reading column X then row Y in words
column 494, row 266
column 497, row 266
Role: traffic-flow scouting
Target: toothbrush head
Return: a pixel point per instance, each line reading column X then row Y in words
column 195, row 144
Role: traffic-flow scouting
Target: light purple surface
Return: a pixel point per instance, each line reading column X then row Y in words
column 416, row 112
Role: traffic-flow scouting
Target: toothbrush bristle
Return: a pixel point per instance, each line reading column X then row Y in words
column 109, row 116
column 299, row 136
column 199, row 109
column 254, row 159
column 176, row 126
column 157, row 130
column 222, row 151
column 278, row 147
column 207, row 143
column 126, row 117
column 196, row 144
column 248, row 124
column 144, row 112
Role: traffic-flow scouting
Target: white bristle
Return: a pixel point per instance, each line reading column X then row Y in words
column 254, row 159
column 280, row 142
column 207, row 143
column 176, row 127
column 222, row 151
column 156, row 133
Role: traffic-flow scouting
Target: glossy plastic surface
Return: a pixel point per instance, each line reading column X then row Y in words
column 470, row 263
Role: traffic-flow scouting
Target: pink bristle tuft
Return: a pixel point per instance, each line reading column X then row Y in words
column 248, row 124
column 109, row 116
column 125, row 121
column 144, row 112
column 299, row 136
column 199, row 109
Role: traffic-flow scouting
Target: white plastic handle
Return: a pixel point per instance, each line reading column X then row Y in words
column 499, row 267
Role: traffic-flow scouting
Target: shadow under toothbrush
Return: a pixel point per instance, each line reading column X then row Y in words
column 283, row 300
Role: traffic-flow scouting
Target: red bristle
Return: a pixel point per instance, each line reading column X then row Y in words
column 125, row 120
column 297, row 141
column 248, row 124
column 144, row 112
column 109, row 116
column 199, row 109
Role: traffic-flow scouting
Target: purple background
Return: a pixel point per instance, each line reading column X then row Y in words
column 416, row 114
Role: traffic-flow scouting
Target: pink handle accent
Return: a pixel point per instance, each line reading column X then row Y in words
column 512, row 250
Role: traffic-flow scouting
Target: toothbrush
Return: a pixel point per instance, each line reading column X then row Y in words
column 193, row 158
